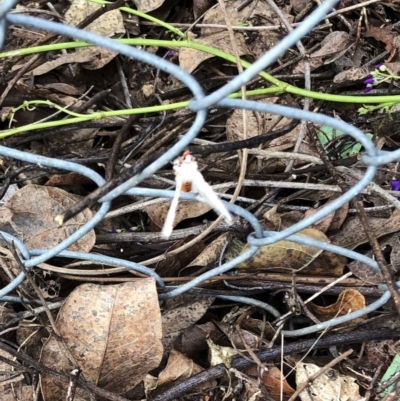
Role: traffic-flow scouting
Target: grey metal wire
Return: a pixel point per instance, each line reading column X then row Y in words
column 199, row 103
column 210, row 274
column 106, row 260
column 253, row 302
column 5, row 7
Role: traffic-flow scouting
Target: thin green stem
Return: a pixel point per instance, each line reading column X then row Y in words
column 35, row 103
column 105, row 114
column 280, row 85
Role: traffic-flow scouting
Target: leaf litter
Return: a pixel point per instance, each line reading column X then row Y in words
column 112, row 324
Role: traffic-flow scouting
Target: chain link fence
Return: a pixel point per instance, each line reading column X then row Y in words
column 199, row 103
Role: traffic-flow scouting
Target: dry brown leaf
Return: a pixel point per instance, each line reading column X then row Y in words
column 339, row 218
column 211, row 253
column 78, row 57
column 173, row 264
column 33, row 210
column 329, row 386
column 8, row 381
column 200, row 7
column 186, row 311
column 114, row 334
column 67, row 89
column 348, row 301
column 145, row 6
column 192, row 343
column 395, row 254
column 286, row 254
column 334, row 220
column 5, row 215
column 273, row 219
column 299, row 5
column 67, row 179
column 352, row 233
column 35, row 90
column 333, row 46
column 273, row 380
column 384, row 35
column 190, row 59
column 178, row 368
column 80, row 141
column 261, row 41
column 394, row 67
column 327, row 264
column 257, row 124
column 235, row 338
column 365, row 272
column 108, row 25
column 389, row 243
column 321, row 225
column 350, row 76
column 19, row 392
column 234, row 125
column 218, row 354
column 185, row 210
column 284, row 142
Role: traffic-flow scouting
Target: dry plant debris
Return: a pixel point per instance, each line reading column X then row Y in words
column 207, row 344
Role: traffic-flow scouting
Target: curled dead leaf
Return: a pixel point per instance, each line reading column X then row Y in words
column 274, row 380
column 348, row 301
column 179, row 368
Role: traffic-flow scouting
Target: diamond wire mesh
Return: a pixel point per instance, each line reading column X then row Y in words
column 372, row 158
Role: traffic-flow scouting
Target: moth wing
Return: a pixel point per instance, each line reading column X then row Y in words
column 169, row 221
column 207, row 195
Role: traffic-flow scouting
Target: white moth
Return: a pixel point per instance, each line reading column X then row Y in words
column 188, row 178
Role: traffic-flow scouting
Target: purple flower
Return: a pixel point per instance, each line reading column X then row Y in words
column 395, row 185
column 368, row 88
column 369, row 81
column 380, row 67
